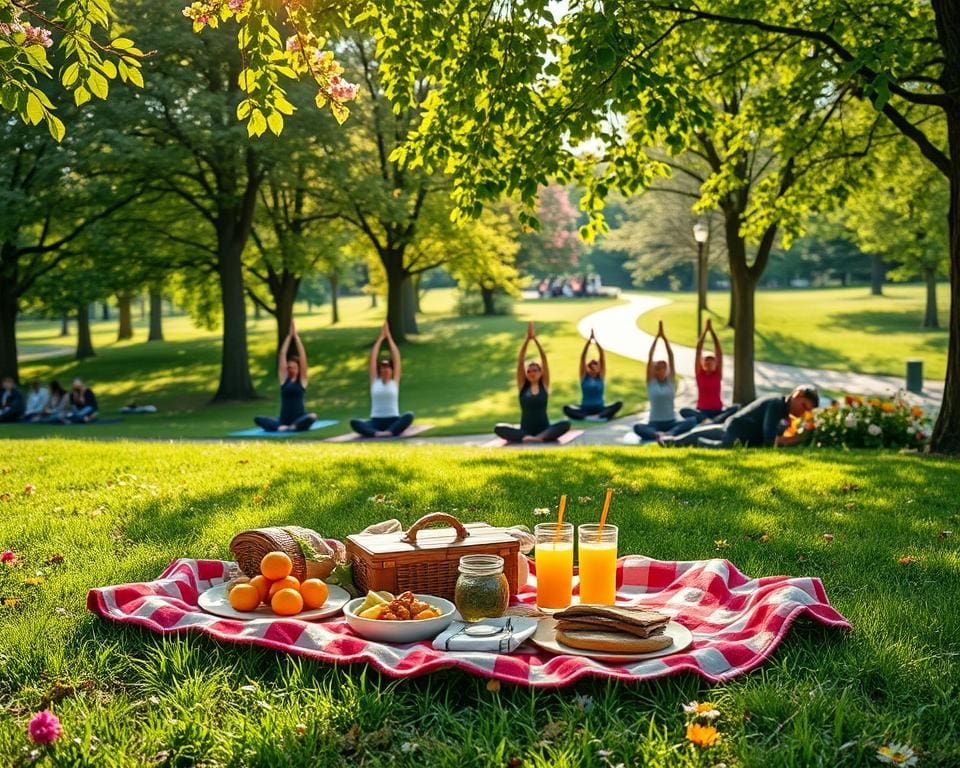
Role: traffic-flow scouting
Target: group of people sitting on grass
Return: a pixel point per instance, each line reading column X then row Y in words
column 47, row 405
column 709, row 425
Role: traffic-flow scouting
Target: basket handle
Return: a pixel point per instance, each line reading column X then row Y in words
column 435, row 517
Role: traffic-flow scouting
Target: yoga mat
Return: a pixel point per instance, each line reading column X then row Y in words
column 567, row 437
column 414, row 429
column 257, row 432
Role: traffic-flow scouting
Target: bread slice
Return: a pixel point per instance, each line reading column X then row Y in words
column 637, row 617
column 612, row 642
column 602, row 623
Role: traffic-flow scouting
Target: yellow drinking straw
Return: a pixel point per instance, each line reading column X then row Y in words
column 603, row 515
column 563, row 506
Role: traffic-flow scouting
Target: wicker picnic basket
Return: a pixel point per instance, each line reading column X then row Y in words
column 426, row 560
column 312, row 556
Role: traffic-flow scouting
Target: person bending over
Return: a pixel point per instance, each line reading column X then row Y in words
column 11, row 401
column 592, row 376
column 83, row 403
column 36, row 401
column 385, row 418
column 662, row 392
column 533, row 383
column 58, row 405
column 761, row 423
column 292, row 374
column 708, row 369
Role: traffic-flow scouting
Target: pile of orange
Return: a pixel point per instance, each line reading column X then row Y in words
column 283, row 593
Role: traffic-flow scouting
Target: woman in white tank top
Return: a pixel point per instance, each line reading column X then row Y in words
column 385, row 417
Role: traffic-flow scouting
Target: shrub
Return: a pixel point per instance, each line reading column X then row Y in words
column 866, row 423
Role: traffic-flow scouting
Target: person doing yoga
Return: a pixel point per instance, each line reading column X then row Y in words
column 292, row 374
column 761, row 423
column 709, row 374
column 661, row 392
column 533, row 382
column 385, row 418
column 592, row 376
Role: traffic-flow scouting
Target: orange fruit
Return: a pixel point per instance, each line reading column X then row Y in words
column 286, row 602
column 263, row 587
column 287, row 582
column 244, row 597
column 314, row 593
column 276, row 565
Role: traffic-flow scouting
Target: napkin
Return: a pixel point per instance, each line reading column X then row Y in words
column 514, row 631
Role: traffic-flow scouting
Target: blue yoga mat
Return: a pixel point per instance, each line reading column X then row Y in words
column 257, row 432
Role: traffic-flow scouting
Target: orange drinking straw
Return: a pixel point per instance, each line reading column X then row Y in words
column 563, row 506
column 603, row 515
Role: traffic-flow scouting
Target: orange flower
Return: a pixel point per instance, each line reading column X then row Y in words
column 907, row 560
column 702, row 735
column 873, row 402
column 887, row 407
column 917, row 412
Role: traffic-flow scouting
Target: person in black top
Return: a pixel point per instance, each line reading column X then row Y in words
column 292, row 373
column 761, row 423
column 11, row 401
column 83, row 402
column 533, row 381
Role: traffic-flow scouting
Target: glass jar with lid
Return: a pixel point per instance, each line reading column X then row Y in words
column 482, row 590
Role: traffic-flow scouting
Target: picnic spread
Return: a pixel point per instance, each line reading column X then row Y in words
column 467, row 596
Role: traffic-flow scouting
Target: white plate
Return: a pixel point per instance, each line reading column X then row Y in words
column 215, row 601
column 546, row 638
column 411, row 631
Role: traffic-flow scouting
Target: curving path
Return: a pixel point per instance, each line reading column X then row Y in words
column 617, row 330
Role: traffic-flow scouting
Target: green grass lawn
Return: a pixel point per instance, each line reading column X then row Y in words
column 121, row 511
column 843, row 329
column 458, row 374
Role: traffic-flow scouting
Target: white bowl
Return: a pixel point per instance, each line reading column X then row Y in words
column 410, row 631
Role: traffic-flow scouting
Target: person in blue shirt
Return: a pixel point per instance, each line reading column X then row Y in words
column 11, row 400
column 592, row 376
column 83, row 403
column 662, row 392
column 292, row 373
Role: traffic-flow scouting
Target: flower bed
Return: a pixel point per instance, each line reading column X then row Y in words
column 858, row 422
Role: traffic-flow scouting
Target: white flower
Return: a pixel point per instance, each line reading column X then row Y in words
column 911, row 430
column 702, row 709
column 851, row 421
column 896, row 754
column 541, row 512
column 874, row 430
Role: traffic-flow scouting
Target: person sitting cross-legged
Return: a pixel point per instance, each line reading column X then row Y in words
column 292, row 373
column 58, row 406
column 36, row 401
column 759, row 424
column 83, row 403
column 11, row 401
column 592, row 376
column 709, row 375
column 385, row 417
column 661, row 392
column 533, row 383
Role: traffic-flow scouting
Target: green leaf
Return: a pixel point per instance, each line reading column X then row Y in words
column 55, row 126
column 275, row 123
column 81, row 96
column 135, row 77
column 98, row 85
column 122, row 43
column 257, row 124
column 34, row 109
column 70, row 75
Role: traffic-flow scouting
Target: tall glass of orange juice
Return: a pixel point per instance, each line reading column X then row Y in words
column 554, row 558
column 598, row 564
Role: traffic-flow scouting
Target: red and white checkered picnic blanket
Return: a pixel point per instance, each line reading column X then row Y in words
column 736, row 621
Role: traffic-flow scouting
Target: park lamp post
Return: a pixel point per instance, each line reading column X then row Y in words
column 700, row 233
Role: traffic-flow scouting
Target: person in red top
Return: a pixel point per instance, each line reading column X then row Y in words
column 709, row 375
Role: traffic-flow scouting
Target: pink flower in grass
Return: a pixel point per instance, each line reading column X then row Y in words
column 9, row 557
column 45, row 727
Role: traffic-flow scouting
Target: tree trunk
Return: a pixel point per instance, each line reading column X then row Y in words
column 106, row 311
column 732, row 315
column 9, row 306
column 126, row 319
column 334, row 279
column 744, row 389
column 930, row 319
column 489, row 307
column 284, row 295
column 373, row 301
column 235, row 380
column 309, row 307
column 395, row 282
column 409, row 304
column 416, row 293
column 143, row 307
column 65, row 325
column 84, row 342
column 878, row 273
column 256, row 311
column 156, row 315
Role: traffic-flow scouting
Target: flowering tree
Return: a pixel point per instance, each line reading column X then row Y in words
column 554, row 245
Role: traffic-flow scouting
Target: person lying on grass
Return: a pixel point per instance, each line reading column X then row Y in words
column 533, row 383
column 708, row 370
column 592, row 376
column 292, row 374
column 11, row 401
column 385, row 418
column 83, row 403
column 761, row 423
column 662, row 392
